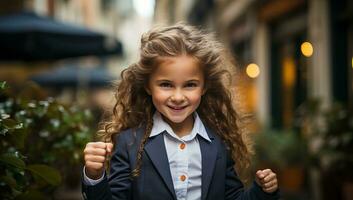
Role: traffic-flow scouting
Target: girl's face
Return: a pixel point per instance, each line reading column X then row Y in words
column 176, row 87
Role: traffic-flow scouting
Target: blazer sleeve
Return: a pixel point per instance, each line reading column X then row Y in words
column 120, row 170
column 235, row 188
column 116, row 185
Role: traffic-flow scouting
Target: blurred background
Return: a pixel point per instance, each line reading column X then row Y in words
column 294, row 85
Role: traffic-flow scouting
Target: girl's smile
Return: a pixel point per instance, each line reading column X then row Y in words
column 176, row 109
column 176, row 87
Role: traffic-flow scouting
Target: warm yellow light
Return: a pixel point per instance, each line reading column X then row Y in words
column 289, row 74
column 307, row 49
column 253, row 70
column 352, row 62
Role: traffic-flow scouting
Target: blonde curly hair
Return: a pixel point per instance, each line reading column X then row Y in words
column 134, row 107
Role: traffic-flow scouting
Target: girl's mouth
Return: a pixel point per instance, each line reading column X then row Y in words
column 177, row 108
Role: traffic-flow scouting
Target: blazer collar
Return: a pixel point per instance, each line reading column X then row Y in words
column 209, row 151
column 155, row 149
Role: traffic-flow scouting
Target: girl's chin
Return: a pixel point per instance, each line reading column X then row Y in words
column 176, row 120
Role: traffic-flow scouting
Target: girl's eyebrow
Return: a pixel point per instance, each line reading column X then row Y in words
column 166, row 80
column 193, row 80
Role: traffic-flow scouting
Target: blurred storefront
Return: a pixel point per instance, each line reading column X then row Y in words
column 302, row 48
column 290, row 53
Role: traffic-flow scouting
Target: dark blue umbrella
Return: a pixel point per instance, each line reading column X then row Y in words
column 27, row 36
column 73, row 75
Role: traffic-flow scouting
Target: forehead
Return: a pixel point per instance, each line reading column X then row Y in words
column 179, row 66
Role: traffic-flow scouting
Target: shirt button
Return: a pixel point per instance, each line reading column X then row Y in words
column 182, row 178
column 182, row 146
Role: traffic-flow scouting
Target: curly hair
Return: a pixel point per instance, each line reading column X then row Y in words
column 134, row 107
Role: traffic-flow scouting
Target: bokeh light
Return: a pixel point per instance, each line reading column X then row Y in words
column 307, row 49
column 253, row 70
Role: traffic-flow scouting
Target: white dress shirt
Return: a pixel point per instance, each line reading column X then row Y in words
column 184, row 156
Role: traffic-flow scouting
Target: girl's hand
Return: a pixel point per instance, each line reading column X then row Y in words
column 267, row 180
column 95, row 155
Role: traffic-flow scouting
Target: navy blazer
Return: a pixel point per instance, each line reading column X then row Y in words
column 219, row 180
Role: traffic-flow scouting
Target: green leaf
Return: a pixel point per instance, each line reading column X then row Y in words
column 31, row 194
column 12, row 160
column 3, row 85
column 18, row 138
column 49, row 174
column 8, row 180
column 9, row 123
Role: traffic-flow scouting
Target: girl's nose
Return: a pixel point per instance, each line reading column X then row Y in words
column 177, row 97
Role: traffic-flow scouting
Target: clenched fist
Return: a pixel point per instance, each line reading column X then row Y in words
column 95, row 155
column 267, row 179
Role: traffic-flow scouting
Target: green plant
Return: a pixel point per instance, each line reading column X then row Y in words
column 331, row 129
column 280, row 148
column 41, row 144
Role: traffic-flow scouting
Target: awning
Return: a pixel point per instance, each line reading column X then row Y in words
column 30, row 37
column 74, row 76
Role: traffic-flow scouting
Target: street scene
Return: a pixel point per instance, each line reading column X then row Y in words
column 292, row 69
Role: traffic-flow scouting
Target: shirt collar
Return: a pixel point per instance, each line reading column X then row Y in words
column 159, row 125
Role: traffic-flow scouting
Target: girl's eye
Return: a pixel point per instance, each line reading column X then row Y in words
column 191, row 85
column 165, row 85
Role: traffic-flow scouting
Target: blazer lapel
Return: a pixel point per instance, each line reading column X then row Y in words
column 155, row 149
column 208, row 154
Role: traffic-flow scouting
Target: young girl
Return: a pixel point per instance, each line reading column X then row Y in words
column 174, row 127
